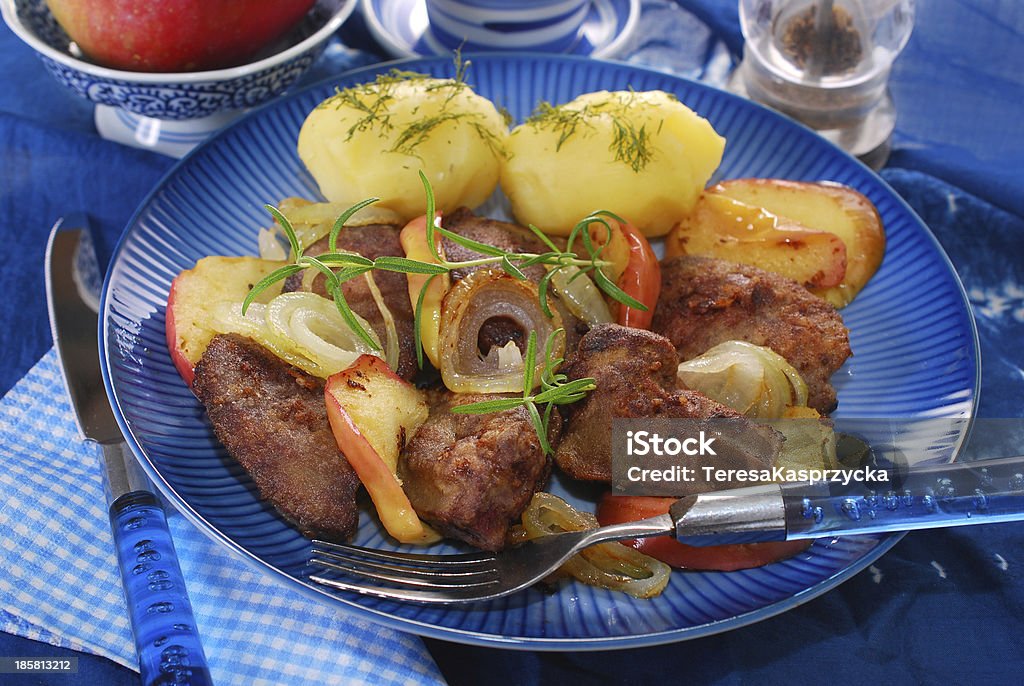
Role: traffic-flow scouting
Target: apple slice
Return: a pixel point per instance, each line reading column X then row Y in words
column 822, row 206
column 732, row 230
column 413, row 238
column 373, row 413
column 197, row 292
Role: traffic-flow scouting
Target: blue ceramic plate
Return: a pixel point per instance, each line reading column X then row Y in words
column 402, row 28
column 912, row 334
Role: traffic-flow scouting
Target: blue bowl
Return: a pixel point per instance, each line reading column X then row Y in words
column 177, row 96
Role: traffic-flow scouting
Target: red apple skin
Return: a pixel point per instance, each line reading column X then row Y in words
column 181, row 363
column 175, row 35
column 393, row 507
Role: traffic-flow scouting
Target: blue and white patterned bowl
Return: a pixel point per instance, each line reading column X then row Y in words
column 175, row 97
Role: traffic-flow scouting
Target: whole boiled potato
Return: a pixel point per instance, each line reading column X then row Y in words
column 642, row 155
column 372, row 140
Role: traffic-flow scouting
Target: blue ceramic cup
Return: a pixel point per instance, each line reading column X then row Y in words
column 531, row 25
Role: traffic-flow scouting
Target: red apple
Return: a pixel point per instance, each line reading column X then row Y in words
column 175, row 35
column 373, row 412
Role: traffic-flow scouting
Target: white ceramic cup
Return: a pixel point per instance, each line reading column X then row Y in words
column 531, row 25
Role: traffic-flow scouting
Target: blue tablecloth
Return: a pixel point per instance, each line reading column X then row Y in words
column 942, row 606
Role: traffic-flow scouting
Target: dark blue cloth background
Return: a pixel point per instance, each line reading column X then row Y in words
column 942, row 606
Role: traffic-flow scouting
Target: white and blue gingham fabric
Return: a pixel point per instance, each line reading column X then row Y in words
column 60, row 583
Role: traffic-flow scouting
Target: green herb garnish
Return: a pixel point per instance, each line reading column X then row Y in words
column 555, row 389
column 630, row 145
column 374, row 100
column 339, row 266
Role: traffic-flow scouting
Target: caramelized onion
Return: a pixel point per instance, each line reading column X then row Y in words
column 484, row 295
column 750, row 379
column 270, row 245
column 581, row 297
column 607, row 565
column 303, row 329
column 391, row 347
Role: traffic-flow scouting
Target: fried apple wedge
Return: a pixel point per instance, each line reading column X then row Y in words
column 196, row 293
column 729, row 229
column 822, row 206
column 373, row 412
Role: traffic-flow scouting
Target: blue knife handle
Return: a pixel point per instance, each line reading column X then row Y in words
column 165, row 630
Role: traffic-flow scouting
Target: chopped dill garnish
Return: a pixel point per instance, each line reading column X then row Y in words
column 560, row 120
column 630, row 144
column 373, row 101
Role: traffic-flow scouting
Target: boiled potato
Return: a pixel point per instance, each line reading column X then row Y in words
column 642, row 155
column 828, row 207
column 372, row 140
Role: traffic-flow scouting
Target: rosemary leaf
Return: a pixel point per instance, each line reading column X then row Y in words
column 431, row 213
column 512, row 270
column 339, row 223
column 543, row 238
column 616, row 293
column 542, row 258
column 268, row 281
column 470, row 244
column 539, row 426
column 332, row 278
column 406, row 266
column 348, row 273
column 289, row 231
column 350, row 318
column 542, row 293
column 416, row 321
column 489, row 406
column 345, row 259
column 529, row 363
column 556, row 394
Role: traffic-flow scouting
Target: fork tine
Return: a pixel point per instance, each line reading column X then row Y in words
column 446, row 561
column 410, row 577
column 411, row 571
column 427, row 597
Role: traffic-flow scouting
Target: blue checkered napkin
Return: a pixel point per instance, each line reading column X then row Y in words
column 60, row 582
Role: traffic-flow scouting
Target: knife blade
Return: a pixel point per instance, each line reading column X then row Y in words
column 166, row 639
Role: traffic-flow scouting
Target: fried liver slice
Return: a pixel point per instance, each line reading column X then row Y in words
column 635, row 371
column 706, row 301
column 471, row 476
column 271, row 417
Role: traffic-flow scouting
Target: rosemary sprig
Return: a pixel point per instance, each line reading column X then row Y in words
column 555, row 389
column 339, row 266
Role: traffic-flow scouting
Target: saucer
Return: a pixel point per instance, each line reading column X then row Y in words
column 401, row 27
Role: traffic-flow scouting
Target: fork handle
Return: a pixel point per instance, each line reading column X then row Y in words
column 166, row 639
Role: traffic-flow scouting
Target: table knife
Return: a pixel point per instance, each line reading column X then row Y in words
column 166, row 639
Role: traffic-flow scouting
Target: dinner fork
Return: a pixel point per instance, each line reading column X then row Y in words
column 929, row 497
